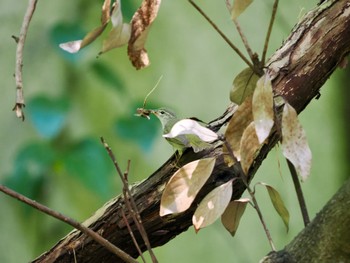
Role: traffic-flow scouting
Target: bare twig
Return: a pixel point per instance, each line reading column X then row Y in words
column 299, row 192
column 269, row 30
column 133, row 236
column 239, row 53
column 244, row 40
column 117, row 251
column 228, row 5
column 252, row 195
column 128, row 197
column 133, row 214
column 18, row 108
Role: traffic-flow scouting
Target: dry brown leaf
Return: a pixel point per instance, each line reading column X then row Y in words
column 184, row 186
column 119, row 34
column 249, row 146
column 140, row 26
column 239, row 6
column 238, row 123
column 294, row 142
column 75, row 46
column 263, row 108
column 233, row 213
column 212, row 206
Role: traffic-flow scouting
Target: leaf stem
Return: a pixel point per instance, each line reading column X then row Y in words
column 257, row 208
column 132, row 236
column 252, row 195
column 244, row 40
column 299, row 193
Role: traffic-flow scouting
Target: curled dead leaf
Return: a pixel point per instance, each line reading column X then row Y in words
column 237, row 125
column 120, row 32
column 76, row 45
column 140, row 26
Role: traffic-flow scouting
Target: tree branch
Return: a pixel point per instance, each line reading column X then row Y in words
column 69, row 221
column 319, row 242
column 18, row 108
column 299, row 68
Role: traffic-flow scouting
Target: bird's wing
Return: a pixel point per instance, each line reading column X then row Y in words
column 196, row 143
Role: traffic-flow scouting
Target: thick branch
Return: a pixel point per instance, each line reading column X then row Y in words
column 299, row 69
column 325, row 239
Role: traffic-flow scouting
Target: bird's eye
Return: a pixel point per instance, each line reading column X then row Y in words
column 162, row 112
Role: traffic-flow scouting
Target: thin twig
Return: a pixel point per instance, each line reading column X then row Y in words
column 117, row 251
column 252, row 195
column 299, row 193
column 18, row 108
column 239, row 53
column 269, row 30
column 128, row 206
column 244, row 40
column 128, row 196
column 133, row 236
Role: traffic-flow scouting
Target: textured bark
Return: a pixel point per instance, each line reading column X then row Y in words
column 325, row 239
column 299, row 68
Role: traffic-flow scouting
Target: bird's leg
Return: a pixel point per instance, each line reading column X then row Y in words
column 177, row 154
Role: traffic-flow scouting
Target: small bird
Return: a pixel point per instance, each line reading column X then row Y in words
column 168, row 119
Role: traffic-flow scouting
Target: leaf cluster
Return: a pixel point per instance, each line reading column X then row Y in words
column 246, row 133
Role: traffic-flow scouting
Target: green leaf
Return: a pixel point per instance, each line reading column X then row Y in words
column 294, row 142
column 233, row 213
column 108, row 75
column 212, row 206
column 88, row 161
column 278, row 204
column 263, row 108
column 32, row 168
column 243, row 85
column 128, row 9
column 139, row 130
column 184, row 186
column 48, row 115
column 239, row 6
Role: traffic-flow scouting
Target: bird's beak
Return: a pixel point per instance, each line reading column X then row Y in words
column 153, row 112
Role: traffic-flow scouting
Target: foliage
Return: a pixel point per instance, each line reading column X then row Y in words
column 89, row 109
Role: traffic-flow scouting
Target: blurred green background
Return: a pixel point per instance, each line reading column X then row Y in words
column 55, row 156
